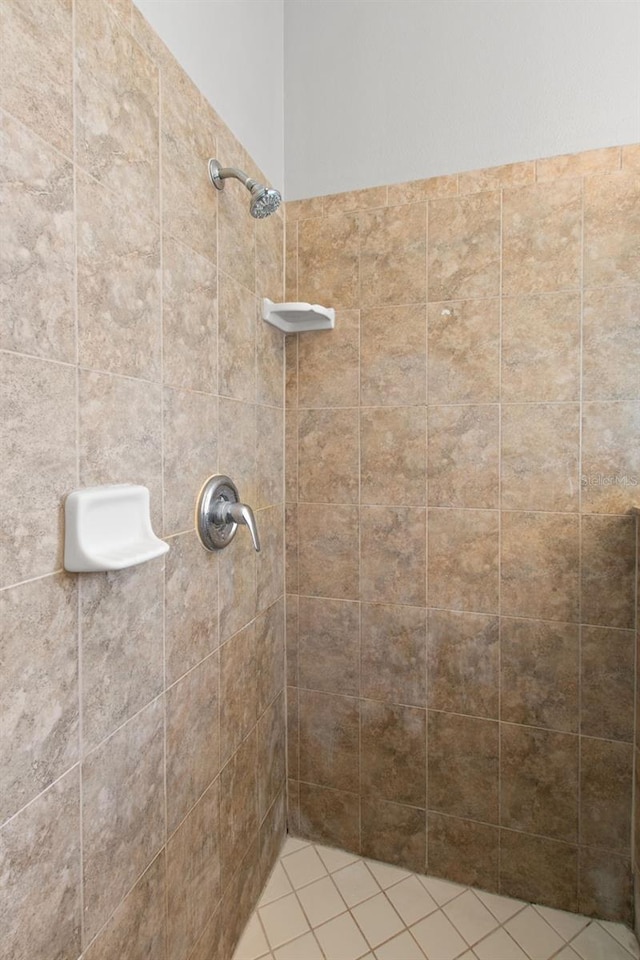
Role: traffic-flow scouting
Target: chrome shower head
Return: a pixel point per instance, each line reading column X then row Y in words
column 264, row 200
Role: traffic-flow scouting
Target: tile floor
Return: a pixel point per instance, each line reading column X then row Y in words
column 325, row 904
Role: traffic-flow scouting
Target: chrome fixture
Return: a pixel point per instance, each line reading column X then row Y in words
column 218, row 513
column 264, row 200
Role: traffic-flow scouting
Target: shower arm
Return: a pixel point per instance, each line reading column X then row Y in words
column 219, row 174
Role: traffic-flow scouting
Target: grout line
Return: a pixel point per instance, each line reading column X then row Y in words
column 163, row 509
column 580, row 541
column 499, row 571
column 74, row 80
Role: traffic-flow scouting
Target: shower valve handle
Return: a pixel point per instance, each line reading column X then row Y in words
column 219, row 512
column 226, row 511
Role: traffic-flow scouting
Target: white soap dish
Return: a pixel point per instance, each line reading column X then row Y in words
column 298, row 317
column 109, row 528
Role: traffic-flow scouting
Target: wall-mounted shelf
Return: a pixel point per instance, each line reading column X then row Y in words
column 298, row 317
column 109, row 528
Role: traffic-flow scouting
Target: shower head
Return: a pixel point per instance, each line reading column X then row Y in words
column 264, row 200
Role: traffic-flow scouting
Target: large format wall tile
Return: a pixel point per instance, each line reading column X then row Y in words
column 541, row 347
column 236, row 340
column 121, row 615
column 392, row 367
column 115, row 243
column 393, row 455
column 540, row 457
column 539, row 782
column 530, row 441
column 463, row 455
column 188, row 131
column 193, row 738
column 464, row 851
column 126, row 446
column 191, row 605
column 611, row 334
column 329, row 740
column 539, row 566
column 36, row 68
column 38, row 688
column 393, row 832
column 462, row 663
column 393, row 653
column 123, row 812
column 189, row 319
column 463, row 764
column 40, row 868
column 535, row 868
column 37, row 288
column 190, row 442
column 329, row 645
column 328, row 263
column 328, row 448
column 193, row 874
column 541, row 236
column 463, row 560
column 393, row 255
column 539, row 667
column 37, row 433
column 393, row 554
column 137, row 928
column 393, row 752
column 464, row 247
column 118, row 284
column 116, row 108
column 464, row 351
column 611, row 230
column 328, row 364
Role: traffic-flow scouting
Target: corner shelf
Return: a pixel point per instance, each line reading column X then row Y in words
column 109, row 528
column 298, row 317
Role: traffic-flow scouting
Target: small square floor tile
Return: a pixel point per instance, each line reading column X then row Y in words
column 470, row 917
column 566, row 924
column 341, row 939
column 253, row 943
column 303, row 867
column 401, row 946
column 567, row 954
column 321, row 901
column 292, row 844
column 438, row 938
column 335, row 859
column 441, row 890
column 355, row 883
column 386, row 874
column 283, row 920
column 302, row 948
column 411, row 900
column 533, row 934
column 377, row 919
column 503, row 908
column 277, row 886
column 499, row 946
column 594, row 943
column 622, row 934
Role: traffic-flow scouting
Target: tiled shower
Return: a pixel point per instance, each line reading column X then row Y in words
column 461, row 559
column 443, row 487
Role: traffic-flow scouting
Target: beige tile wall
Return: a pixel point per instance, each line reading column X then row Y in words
column 461, row 606
column 142, row 730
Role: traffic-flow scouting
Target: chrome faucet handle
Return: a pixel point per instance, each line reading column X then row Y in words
column 231, row 512
column 218, row 513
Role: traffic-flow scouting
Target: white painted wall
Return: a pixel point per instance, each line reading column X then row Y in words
column 381, row 91
column 233, row 51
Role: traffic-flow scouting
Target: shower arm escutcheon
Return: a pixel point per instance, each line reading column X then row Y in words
column 219, row 512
